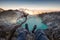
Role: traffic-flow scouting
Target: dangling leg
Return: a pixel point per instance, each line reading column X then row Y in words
column 22, row 34
column 40, row 35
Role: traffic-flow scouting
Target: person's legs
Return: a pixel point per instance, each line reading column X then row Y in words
column 22, row 34
column 40, row 35
column 25, row 35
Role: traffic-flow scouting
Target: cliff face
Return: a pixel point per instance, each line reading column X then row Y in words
column 8, row 18
column 52, row 20
column 1, row 9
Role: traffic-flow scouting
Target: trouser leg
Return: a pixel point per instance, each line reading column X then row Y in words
column 40, row 35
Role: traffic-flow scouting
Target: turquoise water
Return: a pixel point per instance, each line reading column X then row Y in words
column 35, row 21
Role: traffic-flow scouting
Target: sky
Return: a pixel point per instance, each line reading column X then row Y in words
column 30, row 4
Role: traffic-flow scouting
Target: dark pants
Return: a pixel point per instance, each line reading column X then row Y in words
column 39, row 35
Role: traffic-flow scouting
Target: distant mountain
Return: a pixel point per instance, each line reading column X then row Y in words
column 36, row 11
column 1, row 9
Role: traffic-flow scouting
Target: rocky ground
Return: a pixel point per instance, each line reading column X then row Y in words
column 52, row 20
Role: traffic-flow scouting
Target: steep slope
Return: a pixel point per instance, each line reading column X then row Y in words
column 52, row 20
